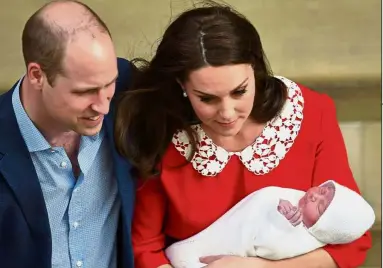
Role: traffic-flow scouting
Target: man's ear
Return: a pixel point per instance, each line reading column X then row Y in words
column 35, row 75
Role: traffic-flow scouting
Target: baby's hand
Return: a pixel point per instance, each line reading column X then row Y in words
column 284, row 206
column 292, row 213
column 294, row 216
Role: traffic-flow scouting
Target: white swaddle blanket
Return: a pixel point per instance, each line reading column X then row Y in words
column 255, row 228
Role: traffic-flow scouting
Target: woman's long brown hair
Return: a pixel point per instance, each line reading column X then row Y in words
column 154, row 108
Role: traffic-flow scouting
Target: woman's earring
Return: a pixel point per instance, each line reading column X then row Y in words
column 185, row 95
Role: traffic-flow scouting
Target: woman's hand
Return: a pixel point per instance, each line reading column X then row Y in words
column 228, row 261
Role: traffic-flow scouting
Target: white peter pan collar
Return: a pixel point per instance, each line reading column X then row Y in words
column 260, row 157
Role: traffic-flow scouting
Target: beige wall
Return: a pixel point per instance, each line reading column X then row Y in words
column 363, row 141
column 305, row 39
column 319, row 40
column 331, row 45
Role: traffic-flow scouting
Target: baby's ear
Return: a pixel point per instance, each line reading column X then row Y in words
column 329, row 183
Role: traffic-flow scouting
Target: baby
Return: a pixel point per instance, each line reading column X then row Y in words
column 266, row 224
column 310, row 207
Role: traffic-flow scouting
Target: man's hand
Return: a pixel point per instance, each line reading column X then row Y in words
column 292, row 213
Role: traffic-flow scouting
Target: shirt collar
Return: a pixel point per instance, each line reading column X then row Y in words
column 33, row 138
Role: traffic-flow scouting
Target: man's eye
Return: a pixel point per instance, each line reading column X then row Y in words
column 206, row 99
column 87, row 92
column 83, row 93
column 240, row 92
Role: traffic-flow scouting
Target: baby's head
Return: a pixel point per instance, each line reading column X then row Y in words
column 335, row 214
column 315, row 202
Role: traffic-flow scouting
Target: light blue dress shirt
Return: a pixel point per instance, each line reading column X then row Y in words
column 83, row 213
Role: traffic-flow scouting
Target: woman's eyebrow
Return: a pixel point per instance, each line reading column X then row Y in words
column 235, row 89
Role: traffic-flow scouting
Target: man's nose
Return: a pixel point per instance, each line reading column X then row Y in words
column 102, row 102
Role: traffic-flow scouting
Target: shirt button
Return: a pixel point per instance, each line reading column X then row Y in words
column 63, row 164
column 53, row 151
column 79, row 263
column 76, row 224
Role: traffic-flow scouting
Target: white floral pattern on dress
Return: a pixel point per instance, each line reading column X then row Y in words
column 260, row 157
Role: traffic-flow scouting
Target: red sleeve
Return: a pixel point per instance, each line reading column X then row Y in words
column 147, row 236
column 332, row 163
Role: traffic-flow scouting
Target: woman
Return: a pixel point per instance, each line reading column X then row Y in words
column 206, row 124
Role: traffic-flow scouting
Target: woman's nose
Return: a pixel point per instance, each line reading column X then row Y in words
column 227, row 110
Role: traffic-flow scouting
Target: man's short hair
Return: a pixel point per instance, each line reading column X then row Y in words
column 44, row 41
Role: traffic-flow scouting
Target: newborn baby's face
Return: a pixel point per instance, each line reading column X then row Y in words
column 315, row 202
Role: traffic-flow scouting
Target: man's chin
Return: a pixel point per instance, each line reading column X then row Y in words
column 89, row 131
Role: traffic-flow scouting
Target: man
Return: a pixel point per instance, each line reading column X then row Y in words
column 66, row 196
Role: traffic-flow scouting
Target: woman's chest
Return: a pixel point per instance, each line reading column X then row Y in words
column 196, row 201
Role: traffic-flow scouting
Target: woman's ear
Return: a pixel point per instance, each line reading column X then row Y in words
column 180, row 83
column 183, row 88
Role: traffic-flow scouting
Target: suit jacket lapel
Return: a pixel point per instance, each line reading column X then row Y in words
column 122, row 171
column 126, row 190
column 17, row 168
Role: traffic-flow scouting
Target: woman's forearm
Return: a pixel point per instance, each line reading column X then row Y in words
column 316, row 259
column 165, row 266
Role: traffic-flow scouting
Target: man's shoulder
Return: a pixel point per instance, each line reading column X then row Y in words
column 122, row 82
column 7, row 119
column 5, row 93
column 6, row 98
column 3, row 96
column 124, row 74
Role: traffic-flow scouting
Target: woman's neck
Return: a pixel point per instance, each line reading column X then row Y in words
column 245, row 137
